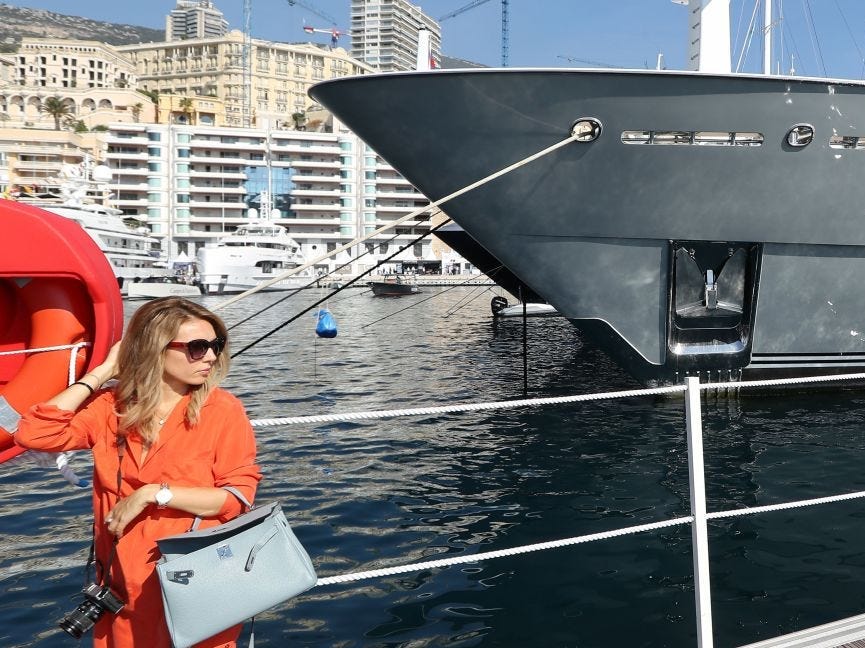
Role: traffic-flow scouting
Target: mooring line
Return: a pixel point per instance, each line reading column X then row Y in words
column 433, row 206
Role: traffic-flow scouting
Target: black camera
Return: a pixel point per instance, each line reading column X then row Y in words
column 97, row 600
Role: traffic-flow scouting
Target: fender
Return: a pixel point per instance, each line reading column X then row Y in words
column 61, row 291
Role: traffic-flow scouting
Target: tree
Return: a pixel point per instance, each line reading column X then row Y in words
column 136, row 112
column 299, row 120
column 57, row 108
column 186, row 107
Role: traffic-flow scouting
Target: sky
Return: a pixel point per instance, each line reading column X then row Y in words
column 554, row 33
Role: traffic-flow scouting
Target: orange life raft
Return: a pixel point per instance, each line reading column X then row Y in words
column 56, row 289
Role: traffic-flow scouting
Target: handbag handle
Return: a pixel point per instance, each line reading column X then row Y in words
column 231, row 489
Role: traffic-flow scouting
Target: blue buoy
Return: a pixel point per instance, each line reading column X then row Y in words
column 326, row 327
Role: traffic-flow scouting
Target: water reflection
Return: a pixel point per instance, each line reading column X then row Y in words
column 366, row 495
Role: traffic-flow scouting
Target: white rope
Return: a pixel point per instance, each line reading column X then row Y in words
column 466, row 407
column 432, row 205
column 788, row 505
column 555, row 544
column 59, row 347
column 782, row 381
column 489, row 555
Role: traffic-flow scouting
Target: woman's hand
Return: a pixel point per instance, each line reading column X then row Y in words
column 129, row 508
column 108, row 369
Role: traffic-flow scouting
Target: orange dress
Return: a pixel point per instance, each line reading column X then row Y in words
column 218, row 451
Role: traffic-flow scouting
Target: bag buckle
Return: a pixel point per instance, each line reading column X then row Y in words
column 181, row 577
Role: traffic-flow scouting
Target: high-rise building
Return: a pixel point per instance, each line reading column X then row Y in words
column 195, row 19
column 194, row 184
column 384, row 34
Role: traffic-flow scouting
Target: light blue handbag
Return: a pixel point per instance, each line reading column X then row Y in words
column 221, row 576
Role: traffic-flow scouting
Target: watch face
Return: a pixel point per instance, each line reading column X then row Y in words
column 163, row 496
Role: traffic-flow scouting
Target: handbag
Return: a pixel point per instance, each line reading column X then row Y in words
column 218, row 577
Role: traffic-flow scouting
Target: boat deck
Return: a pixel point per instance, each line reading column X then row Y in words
column 845, row 633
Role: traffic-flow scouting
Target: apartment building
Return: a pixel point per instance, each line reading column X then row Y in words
column 95, row 82
column 193, row 184
column 194, row 19
column 31, row 160
column 279, row 74
column 384, row 34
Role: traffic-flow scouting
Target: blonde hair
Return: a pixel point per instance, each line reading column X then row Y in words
column 141, row 362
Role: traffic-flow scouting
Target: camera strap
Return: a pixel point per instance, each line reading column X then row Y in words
column 91, row 557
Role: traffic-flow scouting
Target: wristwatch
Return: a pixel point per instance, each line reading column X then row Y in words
column 163, row 496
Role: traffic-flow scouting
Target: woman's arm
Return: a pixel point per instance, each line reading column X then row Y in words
column 53, row 425
column 198, row 500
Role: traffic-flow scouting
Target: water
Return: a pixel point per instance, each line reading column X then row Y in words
column 366, row 495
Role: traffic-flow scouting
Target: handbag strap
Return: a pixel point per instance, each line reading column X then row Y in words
column 231, row 489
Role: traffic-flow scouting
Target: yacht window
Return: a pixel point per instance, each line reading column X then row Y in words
column 692, row 138
column 847, row 142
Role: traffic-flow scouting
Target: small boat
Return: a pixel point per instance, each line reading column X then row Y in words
column 58, row 293
column 394, row 285
column 529, row 309
column 169, row 286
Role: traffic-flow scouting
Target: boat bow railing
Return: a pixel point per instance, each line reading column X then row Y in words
column 698, row 519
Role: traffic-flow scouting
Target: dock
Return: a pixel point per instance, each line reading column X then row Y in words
column 422, row 280
column 845, row 633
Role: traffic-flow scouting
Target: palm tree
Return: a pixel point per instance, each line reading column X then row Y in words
column 186, row 108
column 57, row 108
column 136, row 111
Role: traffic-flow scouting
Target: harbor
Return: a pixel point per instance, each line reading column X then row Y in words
column 532, row 356
column 371, row 494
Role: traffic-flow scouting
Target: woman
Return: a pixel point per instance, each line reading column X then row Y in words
column 170, row 436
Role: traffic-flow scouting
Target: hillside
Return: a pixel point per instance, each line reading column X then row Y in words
column 17, row 22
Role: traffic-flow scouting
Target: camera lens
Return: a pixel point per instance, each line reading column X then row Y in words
column 78, row 622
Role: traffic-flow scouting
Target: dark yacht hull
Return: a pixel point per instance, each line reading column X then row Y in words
column 458, row 239
column 693, row 235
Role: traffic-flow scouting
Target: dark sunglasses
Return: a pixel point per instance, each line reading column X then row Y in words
column 197, row 349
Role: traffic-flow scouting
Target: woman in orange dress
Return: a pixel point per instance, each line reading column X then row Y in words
column 171, row 437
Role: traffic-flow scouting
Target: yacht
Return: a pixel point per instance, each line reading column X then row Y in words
column 132, row 252
column 254, row 253
column 689, row 222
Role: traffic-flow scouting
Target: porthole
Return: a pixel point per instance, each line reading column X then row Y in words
column 800, row 135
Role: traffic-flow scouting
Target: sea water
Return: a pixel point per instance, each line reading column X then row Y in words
column 372, row 494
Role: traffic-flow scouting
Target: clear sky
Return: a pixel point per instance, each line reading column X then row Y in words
column 545, row 33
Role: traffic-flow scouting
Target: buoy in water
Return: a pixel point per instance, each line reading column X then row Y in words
column 326, row 326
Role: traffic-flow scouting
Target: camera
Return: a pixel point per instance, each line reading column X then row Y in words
column 97, row 600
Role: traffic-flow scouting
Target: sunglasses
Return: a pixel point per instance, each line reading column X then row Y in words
column 197, row 349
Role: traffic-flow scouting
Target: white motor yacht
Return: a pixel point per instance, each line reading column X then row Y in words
column 254, row 253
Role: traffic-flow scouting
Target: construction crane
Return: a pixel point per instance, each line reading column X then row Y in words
column 312, row 9
column 334, row 33
column 505, row 24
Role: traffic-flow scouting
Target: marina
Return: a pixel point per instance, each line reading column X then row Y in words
column 371, row 494
column 594, row 465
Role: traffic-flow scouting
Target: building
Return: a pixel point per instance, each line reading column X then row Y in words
column 384, row 34
column 280, row 74
column 94, row 81
column 193, row 184
column 195, row 19
column 31, row 160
